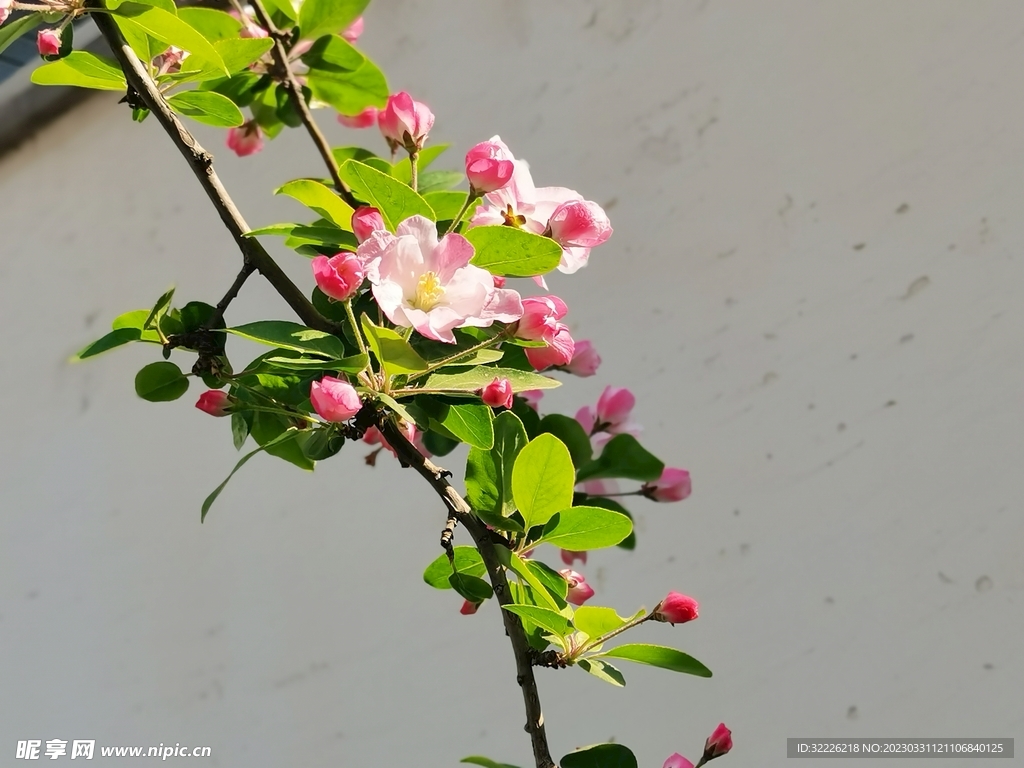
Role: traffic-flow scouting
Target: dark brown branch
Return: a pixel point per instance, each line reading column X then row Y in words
column 294, row 90
column 247, row 269
column 201, row 163
column 484, row 540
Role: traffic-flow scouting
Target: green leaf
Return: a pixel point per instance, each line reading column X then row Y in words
column 602, row 670
column 351, row 364
column 284, row 7
column 168, row 28
column 13, row 30
column 600, row 756
column 112, row 340
column 395, row 201
column 342, row 154
column 623, row 457
column 600, row 501
column 287, row 335
column 402, row 170
column 298, row 235
column 159, row 308
column 207, row 107
column 239, row 429
column 438, row 181
column 659, row 656
column 471, row 423
column 569, row 431
column 241, row 462
column 328, row 17
column 519, row 566
column 509, row 440
column 83, row 69
column 212, row 24
column 553, row 622
column 513, row 252
column 470, row 587
column 596, row 621
column 542, row 480
column 236, row 53
column 160, row 382
column 486, row 762
column 341, row 76
column 321, row 199
column 467, row 561
column 584, row 528
column 136, row 318
column 446, row 204
column 393, row 352
column 268, row 427
column 477, row 378
column 552, row 580
column 319, row 444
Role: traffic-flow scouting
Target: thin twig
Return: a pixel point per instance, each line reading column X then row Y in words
column 482, row 537
column 201, row 163
column 218, row 314
column 294, row 91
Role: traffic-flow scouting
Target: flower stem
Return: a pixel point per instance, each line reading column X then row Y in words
column 458, row 356
column 606, row 637
column 414, row 170
column 473, row 197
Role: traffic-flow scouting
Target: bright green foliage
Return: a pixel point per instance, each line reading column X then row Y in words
column 513, row 252
column 477, row 378
column 395, row 201
column 597, row 621
column 584, row 528
column 542, row 480
column 569, row 431
column 160, row 382
column 81, row 68
column 467, row 561
column 207, row 107
column 168, row 28
column 489, row 473
column 402, row 170
column 469, row 423
column 486, row 762
column 600, row 756
column 602, row 670
column 341, row 76
column 287, row 335
column 321, row 199
column 12, row 30
column 658, row 656
column 549, row 620
column 325, row 17
column 393, row 352
column 470, row 587
column 624, row 457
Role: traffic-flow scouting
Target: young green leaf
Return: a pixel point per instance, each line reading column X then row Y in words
column 268, row 427
column 83, row 69
column 395, row 201
column 160, row 382
column 569, row 431
column 541, row 592
column 542, row 480
column 513, row 252
column 241, row 462
column 474, row 589
column 350, row 92
column 212, row 24
column 553, row 581
column 624, row 457
column 112, row 340
column 12, row 30
column 446, row 204
column 553, row 622
column 486, row 762
column 328, row 17
column 287, row 335
column 168, row 28
column 207, row 107
column 600, row 756
column 321, row 199
column 469, row 422
column 467, row 561
column 392, row 351
column 596, row 621
column 602, row 670
column 239, row 429
column 659, row 656
column 489, row 473
column 329, row 237
column 438, row 181
column 476, row 379
column 583, row 528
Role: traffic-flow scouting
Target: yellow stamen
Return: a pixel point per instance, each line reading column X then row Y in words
column 429, row 292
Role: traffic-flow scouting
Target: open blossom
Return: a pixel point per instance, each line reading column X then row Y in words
column 353, row 31
column 558, row 352
column 677, row 761
column 579, row 590
column 676, row 609
column 489, row 166
column 521, row 204
column 334, row 399
column 214, row 402
column 585, row 360
column 246, row 139
column 429, row 284
column 718, row 743
column 365, row 119
column 673, row 485
column 405, row 122
column 366, row 221
column 48, row 42
column 497, row 394
column 338, row 276
column 540, row 322
column 6, row 6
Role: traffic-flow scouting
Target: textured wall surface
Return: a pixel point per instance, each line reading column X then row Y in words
column 815, row 287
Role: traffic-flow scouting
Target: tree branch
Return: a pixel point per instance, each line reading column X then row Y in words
column 294, row 91
column 482, row 537
column 201, row 163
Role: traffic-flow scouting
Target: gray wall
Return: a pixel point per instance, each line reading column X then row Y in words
column 815, row 286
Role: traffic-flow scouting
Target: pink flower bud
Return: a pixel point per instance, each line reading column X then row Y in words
column 497, row 394
column 677, row 761
column 673, row 485
column 214, row 402
column 469, row 607
column 579, row 224
column 489, row 166
column 366, row 221
column 579, row 590
column 718, row 743
column 540, row 318
column 615, row 405
column 558, row 352
column 6, row 6
column 585, row 360
column 404, row 122
column 365, row 119
column 246, row 139
column 676, row 609
column 334, row 399
column 48, row 42
column 532, row 397
column 569, row 557
column 353, row 31
column 338, row 276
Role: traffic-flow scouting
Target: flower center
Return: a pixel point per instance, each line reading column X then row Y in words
column 429, row 292
column 511, row 219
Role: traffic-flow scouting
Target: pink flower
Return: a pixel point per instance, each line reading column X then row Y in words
column 469, row 608
column 366, row 221
column 214, row 402
column 334, row 399
column 579, row 224
column 558, row 352
column 48, row 42
column 532, row 397
column 540, row 322
column 6, row 6
column 246, row 139
column 579, row 590
column 569, row 557
column 429, row 284
column 677, row 761
column 365, row 119
column 585, row 360
column 489, row 166
column 614, row 406
column 676, row 609
column 497, row 394
column 338, row 276
column 718, row 743
column 673, row 485
column 353, row 31
column 404, row 122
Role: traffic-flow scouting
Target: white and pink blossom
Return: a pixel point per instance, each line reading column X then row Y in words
column 579, row 590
